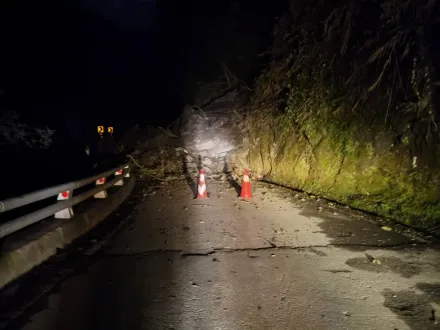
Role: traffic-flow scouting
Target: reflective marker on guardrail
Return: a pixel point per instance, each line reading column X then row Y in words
column 120, row 182
column 66, row 200
column 68, row 212
column 102, row 193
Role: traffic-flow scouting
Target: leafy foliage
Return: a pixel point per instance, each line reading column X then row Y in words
column 13, row 132
column 370, row 60
column 350, row 101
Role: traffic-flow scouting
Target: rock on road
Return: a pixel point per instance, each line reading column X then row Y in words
column 278, row 261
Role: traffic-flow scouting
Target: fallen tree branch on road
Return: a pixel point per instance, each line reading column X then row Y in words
column 168, row 132
column 143, row 170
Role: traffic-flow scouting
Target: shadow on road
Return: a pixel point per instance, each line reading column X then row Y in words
column 234, row 184
column 28, row 302
column 139, row 279
column 199, row 163
column 414, row 309
column 188, row 178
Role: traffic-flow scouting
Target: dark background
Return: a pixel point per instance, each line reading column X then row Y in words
column 72, row 65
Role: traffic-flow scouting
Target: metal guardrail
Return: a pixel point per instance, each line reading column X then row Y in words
column 63, row 208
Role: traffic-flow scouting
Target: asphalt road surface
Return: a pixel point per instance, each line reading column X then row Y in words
column 279, row 261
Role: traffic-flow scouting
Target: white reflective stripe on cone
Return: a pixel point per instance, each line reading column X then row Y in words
column 201, row 189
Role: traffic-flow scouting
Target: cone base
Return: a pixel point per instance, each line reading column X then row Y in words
column 246, row 191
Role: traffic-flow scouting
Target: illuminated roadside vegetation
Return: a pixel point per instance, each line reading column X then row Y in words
column 348, row 110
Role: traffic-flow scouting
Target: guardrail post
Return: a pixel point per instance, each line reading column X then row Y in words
column 65, row 213
column 102, row 193
column 120, row 182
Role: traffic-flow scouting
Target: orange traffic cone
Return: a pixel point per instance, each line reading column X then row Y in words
column 201, row 188
column 246, row 186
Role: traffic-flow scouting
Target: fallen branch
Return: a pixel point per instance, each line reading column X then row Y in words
column 198, row 108
column 225, row 71
column 168, row 127
column 168, row 132
column 143, row 169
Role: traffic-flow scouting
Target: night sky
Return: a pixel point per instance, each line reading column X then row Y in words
column 73, row 64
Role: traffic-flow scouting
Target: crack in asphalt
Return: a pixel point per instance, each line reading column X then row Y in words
column 184, row 253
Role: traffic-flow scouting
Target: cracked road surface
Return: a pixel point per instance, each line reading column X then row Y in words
column 280, row 261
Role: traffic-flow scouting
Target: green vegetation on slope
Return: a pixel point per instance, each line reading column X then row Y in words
column 347, row 109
